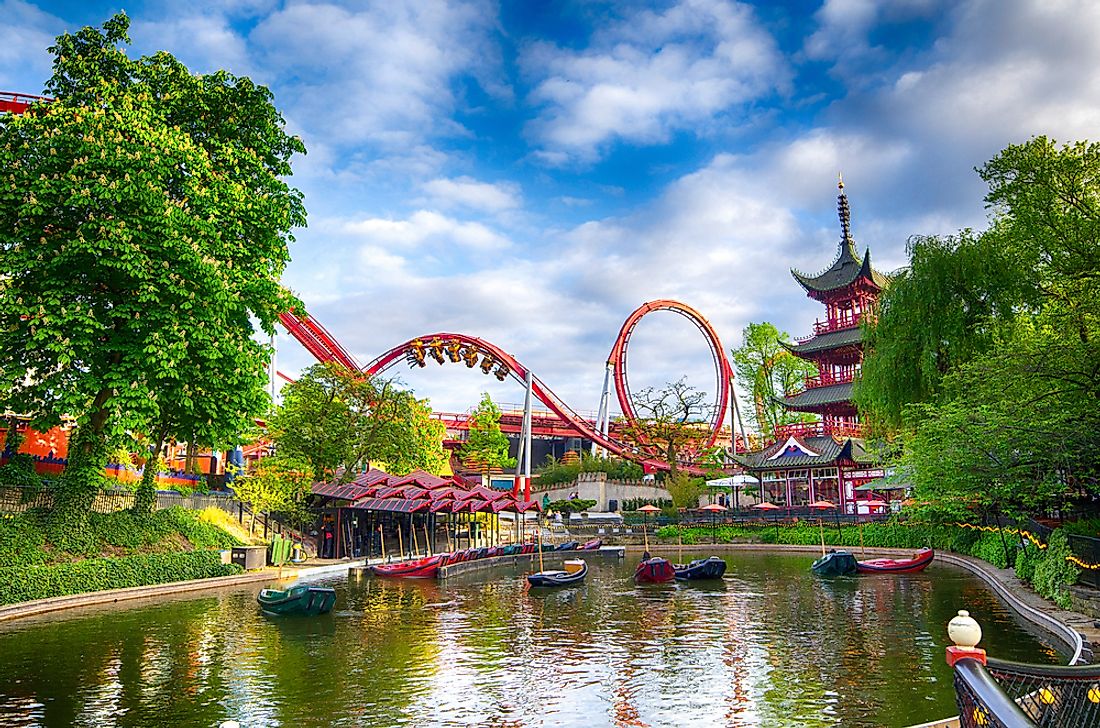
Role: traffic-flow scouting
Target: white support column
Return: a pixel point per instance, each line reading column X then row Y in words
column 735, row 414
column 526, row 434
column 273, row 371
column 603, row 416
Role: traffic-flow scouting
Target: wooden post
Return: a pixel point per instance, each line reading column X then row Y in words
column 412, row 535
column 540, row 545
column 382, row 540
column 400, row 543
column 427, row 539
column 862, row 550
column 821, row 528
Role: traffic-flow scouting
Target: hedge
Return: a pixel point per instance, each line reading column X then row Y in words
column 21, row 584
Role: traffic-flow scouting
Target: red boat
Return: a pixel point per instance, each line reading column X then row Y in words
column 917, row 562
column 654, row 571
column 426, row 568
column 593, row 545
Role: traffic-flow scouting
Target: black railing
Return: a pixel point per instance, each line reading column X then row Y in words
column 1086, row 549
column 1052, row 696
column 982, row 703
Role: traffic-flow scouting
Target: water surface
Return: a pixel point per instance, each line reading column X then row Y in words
column 771, row 645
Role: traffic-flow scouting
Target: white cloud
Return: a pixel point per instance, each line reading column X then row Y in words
column 381, row 73
column 426, row 226
column 470, row 193
column 25, row 34
column 650, row 75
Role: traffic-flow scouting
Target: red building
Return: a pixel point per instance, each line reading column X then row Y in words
column 826, row 460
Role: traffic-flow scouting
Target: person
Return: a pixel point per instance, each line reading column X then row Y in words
column 545, row 502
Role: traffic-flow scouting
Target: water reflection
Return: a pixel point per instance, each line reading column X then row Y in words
column 771, row 645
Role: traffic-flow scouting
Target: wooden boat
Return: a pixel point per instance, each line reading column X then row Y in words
column 300, row 599
column 567, row 546
column 835, row 563
column 654, row 571
column 709, row 568
column 593, row 545
column 426, row 568
column 573, row 572
column 916, row 562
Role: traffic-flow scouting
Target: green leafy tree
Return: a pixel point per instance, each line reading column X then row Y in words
column 684, row 489
column 669, row 422
column 485, row 444
column 339, row 421
column 768, row 371
column 144, row 221
column 277, row 484
column 985, row 352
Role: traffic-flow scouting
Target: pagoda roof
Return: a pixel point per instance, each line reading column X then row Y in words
column 825, row 342
column 810, row 399
column 848, row 266
column 803, row 452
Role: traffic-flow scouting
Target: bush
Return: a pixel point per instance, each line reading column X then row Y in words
column 576, row 505
column 21, row 584
column 1027, row 558
column 21, row 540
column 1053, row 573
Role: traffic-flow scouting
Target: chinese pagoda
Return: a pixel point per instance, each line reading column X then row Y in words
column 827, row 460
column 848, row 288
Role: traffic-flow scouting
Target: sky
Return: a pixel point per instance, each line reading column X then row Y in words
column 532, row 172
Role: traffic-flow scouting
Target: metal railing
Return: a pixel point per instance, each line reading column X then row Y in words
column 1086, row 549
column 1051, row 696
column 982, row 703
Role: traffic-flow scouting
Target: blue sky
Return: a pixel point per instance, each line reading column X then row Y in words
column 530, row 172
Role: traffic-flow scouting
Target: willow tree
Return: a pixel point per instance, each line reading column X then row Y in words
column 144, row 223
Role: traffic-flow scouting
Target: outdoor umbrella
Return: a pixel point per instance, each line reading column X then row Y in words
column 767, row 506
column 712, row 509
column 822, row 505
column 645, row 511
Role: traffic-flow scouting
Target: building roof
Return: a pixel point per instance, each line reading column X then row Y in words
column 377, row 490
column 826, row 342
column 810, row 399
column 848, row 266
column 817, row 451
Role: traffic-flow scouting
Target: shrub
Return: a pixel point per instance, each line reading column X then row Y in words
column 21, row 540
column 21, row 584
column 1027, row 558
column 1053, row 573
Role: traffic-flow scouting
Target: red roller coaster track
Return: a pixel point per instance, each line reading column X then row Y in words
column 461, row 348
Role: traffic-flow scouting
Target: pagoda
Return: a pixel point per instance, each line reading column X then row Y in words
column 848, row 289
column 809, row 462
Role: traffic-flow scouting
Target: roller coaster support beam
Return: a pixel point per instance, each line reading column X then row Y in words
column 603, row 417
column 273, row 371
column 523, row 455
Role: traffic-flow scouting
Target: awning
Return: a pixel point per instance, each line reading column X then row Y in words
column 391, row 505
column 342, row 491
column 443, row 504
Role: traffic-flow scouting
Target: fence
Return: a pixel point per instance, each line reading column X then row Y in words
column 1087, row 551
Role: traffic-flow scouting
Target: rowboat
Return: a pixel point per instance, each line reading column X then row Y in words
column 835, row 563
column 573, row 572
column 654, row 571
column 299, row 599
column 593, row 545
column 567, row 546
column 425, row 568
column 709, row 568
column 916, row 562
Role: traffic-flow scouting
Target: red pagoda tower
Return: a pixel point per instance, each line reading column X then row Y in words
column 848, row 289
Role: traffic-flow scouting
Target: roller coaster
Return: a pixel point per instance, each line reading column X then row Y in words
column 457, row 348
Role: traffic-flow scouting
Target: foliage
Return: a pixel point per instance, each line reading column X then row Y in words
column 31, row 538
column 21, row 584
column 576, row 505
column 983, row 353
column 1085, row 527
column 276, row 484
column 1053, row 573
column 767, row 371
column 633, row 504
column 486, row 446
column 144, row 223
column 669, row 422
column 554, row 471
column 337, row 422
column 685, row 489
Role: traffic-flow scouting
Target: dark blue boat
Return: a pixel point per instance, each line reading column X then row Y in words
column 709, row 568
column 573, row 573
column 835, row 563
column 568, row 546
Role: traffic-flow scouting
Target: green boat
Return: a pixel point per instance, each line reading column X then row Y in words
column 835, row 563
column 301, row 599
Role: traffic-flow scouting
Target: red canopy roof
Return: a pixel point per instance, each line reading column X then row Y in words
column 443, row 504
column 343, row 491
column 393, row 505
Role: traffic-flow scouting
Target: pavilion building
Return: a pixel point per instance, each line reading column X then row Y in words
column 826, row 459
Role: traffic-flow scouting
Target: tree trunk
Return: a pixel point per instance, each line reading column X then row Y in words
column 146, row 496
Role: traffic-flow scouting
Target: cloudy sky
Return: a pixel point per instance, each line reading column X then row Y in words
column 531, row 172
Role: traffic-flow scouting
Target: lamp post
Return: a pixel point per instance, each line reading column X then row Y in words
column 645, row 511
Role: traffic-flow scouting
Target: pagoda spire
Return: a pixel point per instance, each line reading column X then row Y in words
column 844, row 212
